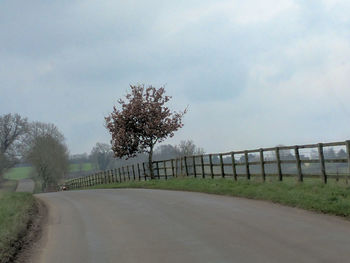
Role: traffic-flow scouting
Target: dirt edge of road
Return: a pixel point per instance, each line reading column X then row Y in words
column 32, row 234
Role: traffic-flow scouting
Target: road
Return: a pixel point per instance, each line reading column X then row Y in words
column 25, row 185
column 138, row 225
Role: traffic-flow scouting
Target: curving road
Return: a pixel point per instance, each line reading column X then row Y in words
column 137, row 225
column 25, row 185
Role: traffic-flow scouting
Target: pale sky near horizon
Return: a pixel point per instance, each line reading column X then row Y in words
column 253, row 73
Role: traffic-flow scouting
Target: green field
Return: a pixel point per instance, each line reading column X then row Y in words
column 311, row 195
column 16, row 211
column 18, row 173
column 74, row 167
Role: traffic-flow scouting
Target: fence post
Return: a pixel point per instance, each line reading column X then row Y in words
column 115, row 175
column 247, row 164
column 348, row 157
column 123, row 173
column 172, row 167
column 222, row 167
column 278, row 160
column 111, row 175
column 211, row 166
column 138, row 171
column 176, row 169
column 165, row 171
column 157, row 168
column 202, row 166
column 120, row 175
column 194, row 166
column 133, row 172
column 297, row 158
column 262, row 165
column 322, row 163
column 234, row 166
column 127, row 168
column 144, row 171
column 186, row 167
column 181, row 166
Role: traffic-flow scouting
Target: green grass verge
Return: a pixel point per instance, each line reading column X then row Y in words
column 74, row 167
column 18, row 173
column 316, row 196
column 16, row 212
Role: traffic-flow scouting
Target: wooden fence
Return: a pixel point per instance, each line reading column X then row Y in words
column 278, row 162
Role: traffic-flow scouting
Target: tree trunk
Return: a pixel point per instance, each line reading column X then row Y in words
column 150, row 162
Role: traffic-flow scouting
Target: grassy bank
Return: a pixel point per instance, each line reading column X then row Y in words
column 310, row 195
column 16, row 212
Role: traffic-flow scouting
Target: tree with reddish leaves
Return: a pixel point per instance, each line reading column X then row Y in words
column 142, row 121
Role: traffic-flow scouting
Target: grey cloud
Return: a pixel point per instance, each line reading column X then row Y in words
column 68, row 61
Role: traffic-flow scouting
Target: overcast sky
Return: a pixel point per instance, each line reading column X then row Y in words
column 254, row 73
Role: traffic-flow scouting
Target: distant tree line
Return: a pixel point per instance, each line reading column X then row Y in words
column 102, row 157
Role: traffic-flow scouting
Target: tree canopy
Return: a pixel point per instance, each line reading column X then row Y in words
column 142, row 120
column 13, row 128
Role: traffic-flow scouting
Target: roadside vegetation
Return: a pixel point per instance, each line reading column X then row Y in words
column 310, row 195
column 16, row 212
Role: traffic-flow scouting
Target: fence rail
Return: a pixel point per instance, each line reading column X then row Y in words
column 281, row 161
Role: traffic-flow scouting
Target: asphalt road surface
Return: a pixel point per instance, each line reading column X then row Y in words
column 137, row 225
column 25, row 185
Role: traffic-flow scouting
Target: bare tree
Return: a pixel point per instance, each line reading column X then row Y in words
column 48, row 154
column 188, row 148
column 142, row 121
column 12, row 129
column 166, row 151
column 101, row 156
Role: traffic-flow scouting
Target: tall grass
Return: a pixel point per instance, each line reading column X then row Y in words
column 16, row 212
